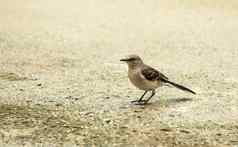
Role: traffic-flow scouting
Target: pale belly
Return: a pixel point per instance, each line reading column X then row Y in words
column 141, row 83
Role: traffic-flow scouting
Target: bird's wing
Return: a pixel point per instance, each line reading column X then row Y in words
column 152, row 74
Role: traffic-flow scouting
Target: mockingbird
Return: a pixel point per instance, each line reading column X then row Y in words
column 147, row 78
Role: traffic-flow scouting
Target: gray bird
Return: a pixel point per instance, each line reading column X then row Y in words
column 147, row 78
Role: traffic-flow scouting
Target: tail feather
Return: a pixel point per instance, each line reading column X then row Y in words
column 180, row 87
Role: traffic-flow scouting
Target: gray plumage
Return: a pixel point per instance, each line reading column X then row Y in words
column 147, row 78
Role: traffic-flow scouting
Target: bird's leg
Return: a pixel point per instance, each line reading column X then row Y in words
column 140, row 97
column 152, row 94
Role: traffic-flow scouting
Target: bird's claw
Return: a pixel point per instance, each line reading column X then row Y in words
column 141, row 102
column 135, row 101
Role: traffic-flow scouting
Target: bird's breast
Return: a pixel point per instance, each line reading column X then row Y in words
column 140, row 82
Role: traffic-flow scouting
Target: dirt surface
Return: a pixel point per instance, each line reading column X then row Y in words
column 61, row 82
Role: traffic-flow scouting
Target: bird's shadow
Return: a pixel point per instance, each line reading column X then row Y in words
column 179, row 100
column 167, row 102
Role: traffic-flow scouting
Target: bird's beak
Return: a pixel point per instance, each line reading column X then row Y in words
column 124, row 60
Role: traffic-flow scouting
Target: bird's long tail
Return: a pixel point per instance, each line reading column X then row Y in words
column 180, row 87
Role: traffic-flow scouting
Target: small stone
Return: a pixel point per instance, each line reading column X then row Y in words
column 68, row 97
column 138, row 116
column 58, row 104
column 88, row 113
column 185, row 131
column 76, row 99
column 134, row 130
column 218, row 134
column 137, row 111
column 166, row 129
column 28, row 101
column 108, row 121
column 107, row 97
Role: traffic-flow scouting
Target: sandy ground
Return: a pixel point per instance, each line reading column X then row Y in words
column 61, row 82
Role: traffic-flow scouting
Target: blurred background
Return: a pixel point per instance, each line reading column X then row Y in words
column 65, row 55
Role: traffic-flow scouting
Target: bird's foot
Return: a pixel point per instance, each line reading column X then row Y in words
column 135, row 101
column 141, row 102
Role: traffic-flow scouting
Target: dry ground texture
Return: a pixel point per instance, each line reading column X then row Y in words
column 61, row 82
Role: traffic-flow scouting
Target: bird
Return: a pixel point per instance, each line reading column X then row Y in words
column 147, row 78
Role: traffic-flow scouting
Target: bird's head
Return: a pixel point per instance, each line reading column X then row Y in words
column 132, row 61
